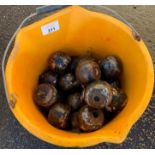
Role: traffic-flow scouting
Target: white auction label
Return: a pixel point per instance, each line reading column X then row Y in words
column 50, row 27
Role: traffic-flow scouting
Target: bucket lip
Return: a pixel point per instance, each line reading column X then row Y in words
column 90, row 139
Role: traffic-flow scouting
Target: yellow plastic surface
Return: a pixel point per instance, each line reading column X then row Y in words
column 80, row 30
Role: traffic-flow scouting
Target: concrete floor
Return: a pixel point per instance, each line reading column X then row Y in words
column 13, row 135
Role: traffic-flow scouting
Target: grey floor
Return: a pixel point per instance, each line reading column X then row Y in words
column 13, row 135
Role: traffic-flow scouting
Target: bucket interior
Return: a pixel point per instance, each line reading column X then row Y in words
column 80, row 31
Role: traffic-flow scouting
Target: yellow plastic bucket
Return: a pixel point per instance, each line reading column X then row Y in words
column 77, row 30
